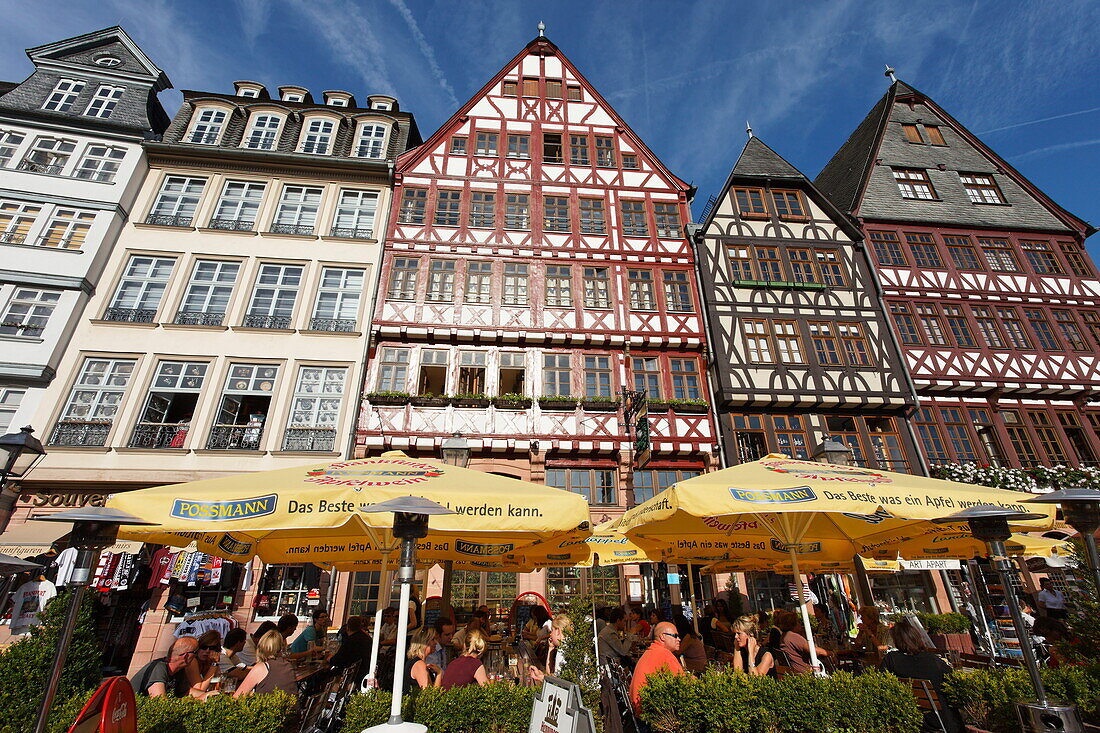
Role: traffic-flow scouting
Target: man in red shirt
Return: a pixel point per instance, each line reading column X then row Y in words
column 661, row 655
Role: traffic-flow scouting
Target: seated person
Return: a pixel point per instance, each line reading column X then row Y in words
column 750, row 657
column 871, row 639
column 458, row 641
column 166, row 676
column 692, row 651
column 203, row 667
column 388, row 633
column 635, row 624
column 419, row 673
column 548, row 656
column 612, row 647
column 660, row 656
column 914, row 659
column 272, row 670
column 312, row 639
column 230, row 664
column 247, row 655
column 355, row 648
column 444, row 637
column 467, row 669
column 794, row 645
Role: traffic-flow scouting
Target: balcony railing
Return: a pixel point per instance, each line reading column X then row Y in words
column 235, row 437
column 351, row 233
column 299, row 229
column 33, row 166
column 159, row 435
column 251, row 321
column 13, row 237
column 130, row 315
column 169, row 220
column 309, row 439
column 234, row 225
column 23, row 329
column 333, row 325
column 80, row 433
column 199, row 318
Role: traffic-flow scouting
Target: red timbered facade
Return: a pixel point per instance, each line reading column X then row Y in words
column 990, row 291
column 535, row 266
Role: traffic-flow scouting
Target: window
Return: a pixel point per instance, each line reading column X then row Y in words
column 48, row 155
column 563, row 585
column 1039, row 323
column 553, row 89
column 93, row 402
column 630, row 161
column 555, row 211
column 597, row 376
column 513, row 373
column 413, row 205
column 207, row 127
column 64, row 95
column 855, row 345
column 981, row 189
column 177, row 201
column 28, row 312
column 530, row 87
column 244, row 409
column 170, row 405
column 297, row 212
column 248, row 92
column 914, row 184
column 285, row 586
column 987, row 324
column 934, row 135
column 905, row 323
column 104, row 102
column 1014, row 327
column 238, row 206
column 788, row 205
column 519, row 146
column 483, row 209
column 647, row 484
column 9, row 141
column 592, row 218
column 372, row 142
column 578, row 149
column 318, row 136
column 10, row 397
column 403, row 276
column 597, row 288
column 458, row 145
column 551, row 147
column 208, row 292
column 647, row 376
column 605, row 151
column 479, row 282
column 832, row 271
column 486, row 144
column 962, row 252
column 740, row 262
column 925, row 252
column 471, row 372
column 517, row 211
column 771, row 267
column 574, row 93
column 293, row 97
column 931, row 324
column 912, row 133
column 1039, row 255
column 998, row 254
column 515, row 284
column 393, row 371
column 337, row 306
column 441, row 281
column 138, row 295
column 598, row 485
column 685, row 379
column 67, row 228
column 274, row 296
column 1077, row 264
column 678, row 291
column 757, row 343
column 750, row 202
column 788, row 347
column 1067, row 325
column 559, row 286
column 556, row 375
column 315, row 410
column 1048, row 436
column 960, row 329
column 355, row 212
column 642, row 297
column 263, row 135
column 821, row 335
column 803, row 268
column 510, row 89
column 448, row 208
column 1092, row 324
column 634, row 220
column 888, row 249
column 667, row 218
column 958, row 434
column 1020, row 438
column 100, row 163
column 16, row 219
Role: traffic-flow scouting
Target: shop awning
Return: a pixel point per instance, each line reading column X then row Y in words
column 34, row 537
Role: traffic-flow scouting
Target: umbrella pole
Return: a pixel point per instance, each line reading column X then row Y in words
column 804, row 601
column 691, row 601
column 377, row 624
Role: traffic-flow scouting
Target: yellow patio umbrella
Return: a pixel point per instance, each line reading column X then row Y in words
column 782, row 507
column 961, row 545
column 814, row 566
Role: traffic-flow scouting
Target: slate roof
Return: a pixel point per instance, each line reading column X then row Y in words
column 757, row 159
column 842, row 177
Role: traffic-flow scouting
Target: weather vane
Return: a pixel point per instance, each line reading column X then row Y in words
column 542, row 29
column 890, row 73
column 748, row 129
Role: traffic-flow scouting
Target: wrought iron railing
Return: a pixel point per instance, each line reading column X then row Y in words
column 258, row 321
column 23, row 329
column 13, row 237
column 235, row 225
column 169, row 220
column 299, row 229
column 309, row 439
column 235, row 437
column 351, row 233
column 33, row 166
column 199, row 318
column 130, row 315
column 80, row 433
column 333, row 325
column 159, row 435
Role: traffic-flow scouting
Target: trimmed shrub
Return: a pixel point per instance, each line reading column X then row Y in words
column 941, row 623
column 495, row 708
column 987, row 698
column 273, row 713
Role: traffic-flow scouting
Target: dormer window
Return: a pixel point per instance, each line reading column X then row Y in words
column 382, row 105
column 248, row 89
column 208, row 127
column 338, row 102
column 293, row 97
column 104, row 102
column 372, row 142
column 264, row 132
column 108, row 61
column 248, row 92
column 318, row 136
column 63, row 96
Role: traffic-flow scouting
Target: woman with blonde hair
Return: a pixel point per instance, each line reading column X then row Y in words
column 871, row 637
column 550, row 654
column 467, row 669
column 272, row 671
column 418, row 672
column 203, row 667
column 750, row 657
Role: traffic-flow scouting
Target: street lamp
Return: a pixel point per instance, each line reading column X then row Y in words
column 456, row 451
column 1081, row 510
column 410, row 523
column 833, row 451
column 94, row 529
column 24, row 452
column 989, row 524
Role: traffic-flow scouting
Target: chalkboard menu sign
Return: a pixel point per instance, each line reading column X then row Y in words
column 433, row 607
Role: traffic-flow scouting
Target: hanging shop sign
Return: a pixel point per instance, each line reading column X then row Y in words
column 931, row 564
column 68, row 500
column 558, row 709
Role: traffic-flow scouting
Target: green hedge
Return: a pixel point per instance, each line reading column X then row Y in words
column 495, row 708
column 941, row 623
column 723, row 701
column 987, row 698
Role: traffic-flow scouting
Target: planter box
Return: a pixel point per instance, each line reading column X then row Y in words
column 506, row 404
column 430, row 401
column 954, row 642
column 387, row 400
column 691, row 409
column 560, row 405
column 471, row 401
column 659, row 406
column 600, row 405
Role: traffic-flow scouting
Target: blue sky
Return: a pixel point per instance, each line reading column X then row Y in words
column 685, row 75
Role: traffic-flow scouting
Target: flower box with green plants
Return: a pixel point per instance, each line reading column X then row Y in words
column 387, row 398
column 470, row 399
column 600, row 404
column 512, row 401
column 557, row 402
column 692, row 406
column 947, row 630
column 430, row 400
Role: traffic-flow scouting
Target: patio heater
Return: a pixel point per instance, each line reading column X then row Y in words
column 456, row 452
column 1081, row 510
column 94, row 530
column 410, row 523
column 989, row 524
column 836, row 453
column 24, row 452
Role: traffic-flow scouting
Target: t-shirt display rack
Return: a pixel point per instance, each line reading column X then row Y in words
column 1005, row 641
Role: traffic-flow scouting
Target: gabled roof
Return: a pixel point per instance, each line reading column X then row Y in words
column 757, row 159
column 61, row 51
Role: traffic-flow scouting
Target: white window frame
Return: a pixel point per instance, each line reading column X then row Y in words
column 105, row 389
column 393, row 370
column 55, row 153
column 371, row 141
column 28, row 312
column 356, row 213
column 238, row 204
column 298, row 207
column 262, row 135
column 318, row 398
column 339, row 296
column 286, row 279
column 210, row 294
column 207, row 126
column 317, row 136
column 187, row 198
column 143, row 283
column 10, row 399
column 10, row 140
column 104, row 101
column 21, row 217
column 67, row 228
column 100, row 163
column 64, row 95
